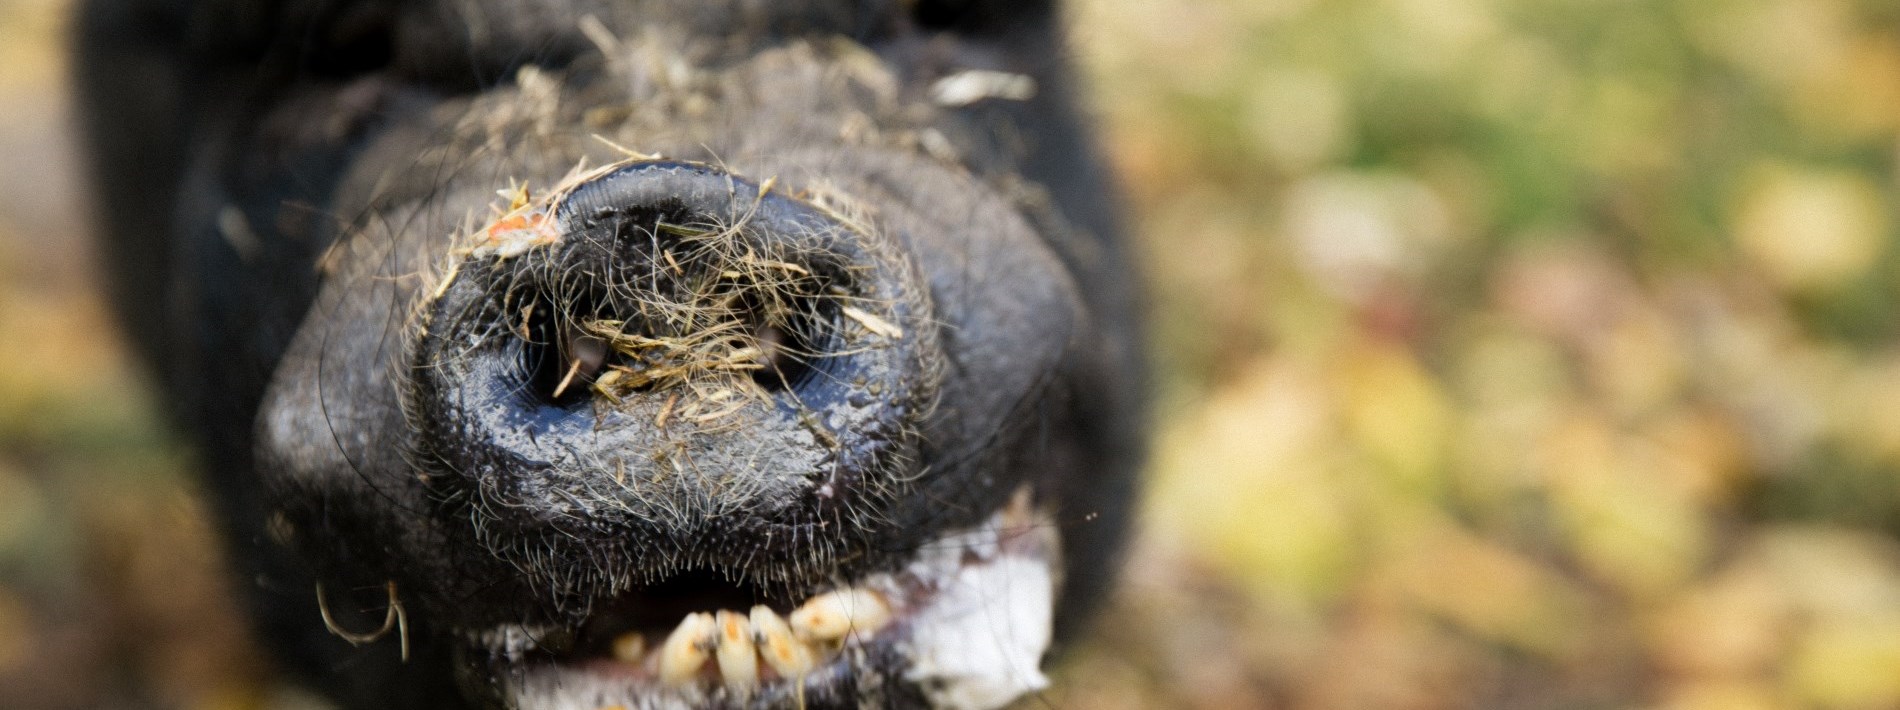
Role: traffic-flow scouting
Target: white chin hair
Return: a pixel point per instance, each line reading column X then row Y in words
column 980, row 645
column 979, row 640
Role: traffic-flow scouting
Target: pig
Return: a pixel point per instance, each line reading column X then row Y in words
column 630, row 353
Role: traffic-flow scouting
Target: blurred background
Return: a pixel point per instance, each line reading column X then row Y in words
column 1509, row 354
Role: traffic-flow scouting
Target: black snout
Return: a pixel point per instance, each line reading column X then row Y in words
column 667, row 363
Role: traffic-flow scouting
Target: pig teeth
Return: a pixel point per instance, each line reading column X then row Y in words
column 630, row 647
column 686, row 649
column 832, row 615
column 738, row 641
column 785, row 654
column 1020, row 513
column 738, row 658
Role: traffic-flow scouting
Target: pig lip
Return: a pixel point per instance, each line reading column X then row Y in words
column 968, row 622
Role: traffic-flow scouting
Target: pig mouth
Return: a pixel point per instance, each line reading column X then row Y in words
column 962, row 625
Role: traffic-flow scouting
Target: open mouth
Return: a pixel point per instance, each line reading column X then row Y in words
column 963, row 625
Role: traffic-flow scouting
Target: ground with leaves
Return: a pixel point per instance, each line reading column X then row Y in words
column 1511, row 354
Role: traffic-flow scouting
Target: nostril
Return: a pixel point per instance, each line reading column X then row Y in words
column 585, row 353
column 559, row 360
column 773, row 357
column 786, row 356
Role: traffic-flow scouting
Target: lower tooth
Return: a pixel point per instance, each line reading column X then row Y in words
column 834, row 614
column 785, row 654
column 630, row 647
column 1019, row 515
column 685, row 651
column 738, row 659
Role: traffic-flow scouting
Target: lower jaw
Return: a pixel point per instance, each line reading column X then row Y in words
column 962, row 626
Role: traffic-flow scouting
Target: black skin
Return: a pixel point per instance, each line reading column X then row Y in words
column 273, row 175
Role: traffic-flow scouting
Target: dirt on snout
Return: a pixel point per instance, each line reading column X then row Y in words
column 1512, row 354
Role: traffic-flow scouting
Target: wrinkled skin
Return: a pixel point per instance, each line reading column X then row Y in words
column 287, row 191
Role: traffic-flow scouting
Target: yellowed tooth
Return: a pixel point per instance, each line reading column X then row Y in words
column 834, row 614
column 738, row 658
column 687, row 649
column 630, row 647
column 1020, row 513
column 785, row 654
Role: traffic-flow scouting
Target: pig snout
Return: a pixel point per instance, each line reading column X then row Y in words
column 672, row 349
column 836, row 405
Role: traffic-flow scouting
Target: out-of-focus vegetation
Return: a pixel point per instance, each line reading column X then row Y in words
column 1510, row 353
column 111, row 594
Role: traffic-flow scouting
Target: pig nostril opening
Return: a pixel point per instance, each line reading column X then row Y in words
column 560, row 360
column 792, row 337
column 784, row 359
column 584, row 355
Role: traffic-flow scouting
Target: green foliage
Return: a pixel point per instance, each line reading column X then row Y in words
column 1534, row 353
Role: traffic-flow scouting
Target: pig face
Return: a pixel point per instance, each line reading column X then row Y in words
column 642, row 354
